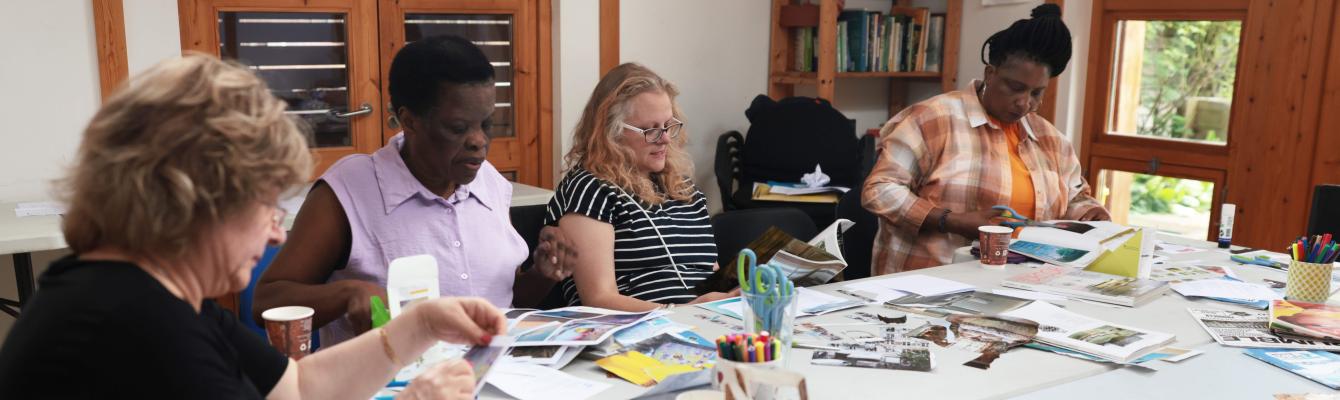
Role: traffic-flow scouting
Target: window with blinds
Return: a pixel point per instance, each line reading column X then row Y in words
column 493, row 34
column 303, row 57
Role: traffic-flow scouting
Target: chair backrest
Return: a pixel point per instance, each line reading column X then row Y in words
column 787, row 138
column 528, row 220
column 1325, row 215
column 858, row 241
column 735, row 229
column 730, row 150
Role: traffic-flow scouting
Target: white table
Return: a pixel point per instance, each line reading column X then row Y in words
column 23, row 236
column 1018, row 372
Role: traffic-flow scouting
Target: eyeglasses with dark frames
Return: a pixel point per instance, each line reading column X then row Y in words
column 653, row 135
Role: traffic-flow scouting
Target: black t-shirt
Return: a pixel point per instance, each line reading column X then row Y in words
column 100, row 329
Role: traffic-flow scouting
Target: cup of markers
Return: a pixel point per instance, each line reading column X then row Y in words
column 1309, row 276
column 745, row 350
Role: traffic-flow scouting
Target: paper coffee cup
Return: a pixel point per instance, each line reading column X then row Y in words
column 995, row 245
column 290, row 329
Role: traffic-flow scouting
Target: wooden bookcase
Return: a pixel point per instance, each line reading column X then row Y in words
column 782, row 80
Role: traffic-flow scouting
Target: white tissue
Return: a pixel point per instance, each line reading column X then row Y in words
column 816, row 179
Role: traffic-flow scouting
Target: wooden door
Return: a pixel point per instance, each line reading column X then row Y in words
column 320, row 56
column 506, row 30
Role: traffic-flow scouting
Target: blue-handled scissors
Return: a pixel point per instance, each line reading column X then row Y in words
column 1016, row 220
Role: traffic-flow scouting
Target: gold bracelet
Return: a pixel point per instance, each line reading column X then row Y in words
column 386, row 347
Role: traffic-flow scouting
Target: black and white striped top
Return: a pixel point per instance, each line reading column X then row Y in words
column 642, row 269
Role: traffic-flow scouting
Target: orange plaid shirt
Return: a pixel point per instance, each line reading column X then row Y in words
column 944, row 152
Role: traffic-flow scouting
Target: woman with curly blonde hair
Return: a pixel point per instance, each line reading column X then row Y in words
column 627, row 203
column 172, row 200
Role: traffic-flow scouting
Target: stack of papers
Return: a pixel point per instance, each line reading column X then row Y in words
column 1225, row 289
column 38, row 208
column 526, row 381
column 811, row 302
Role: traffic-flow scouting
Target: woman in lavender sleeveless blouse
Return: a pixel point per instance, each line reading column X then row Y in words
column 429, row 191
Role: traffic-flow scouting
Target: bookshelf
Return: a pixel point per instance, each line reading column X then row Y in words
column 783, row 76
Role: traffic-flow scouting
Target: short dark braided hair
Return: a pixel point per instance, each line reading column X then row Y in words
column 1043, row 38
column 421, row 67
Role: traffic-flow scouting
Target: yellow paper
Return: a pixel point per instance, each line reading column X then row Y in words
column 1124, row 261
column 641, row 369
column 762, row 192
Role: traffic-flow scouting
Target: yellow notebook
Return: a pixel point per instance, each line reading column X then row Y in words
column 763, row 192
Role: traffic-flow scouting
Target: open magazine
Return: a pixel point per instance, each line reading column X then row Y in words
column 806, row 264
column 1071, row 243
column 1109, row 341
column 1251, row 328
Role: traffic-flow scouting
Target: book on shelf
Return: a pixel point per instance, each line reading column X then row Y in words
column 916, row 45
column 935, row 44
column 1102, row 339
column 1088, row 285
column 1312, row 320
column 1319, row 366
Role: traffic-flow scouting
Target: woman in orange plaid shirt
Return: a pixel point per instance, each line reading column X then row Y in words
column 944, row 162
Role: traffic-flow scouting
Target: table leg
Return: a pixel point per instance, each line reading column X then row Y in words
column 23, row 280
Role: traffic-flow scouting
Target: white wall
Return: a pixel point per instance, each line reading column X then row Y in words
column 576, row 68
column 50, row 90
column 152, row 33
column 716, row 52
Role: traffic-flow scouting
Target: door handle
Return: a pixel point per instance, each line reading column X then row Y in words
column 364, row 110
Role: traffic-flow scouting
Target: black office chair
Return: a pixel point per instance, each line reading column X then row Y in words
column 730, row 147
column 528, row 220
column 1325, row 217
column 735, row 229
column 859, row 240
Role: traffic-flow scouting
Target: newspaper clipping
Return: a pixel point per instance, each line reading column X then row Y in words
column 1251, row 328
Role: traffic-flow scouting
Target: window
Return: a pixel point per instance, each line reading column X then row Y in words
column 328, row 62
column 1159, row 110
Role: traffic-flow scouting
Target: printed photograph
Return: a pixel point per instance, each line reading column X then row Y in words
column 618, row 319
column 1108, row 335
column 581, row 331
column 905, row 359
column 567, row 314
column 1049, row 252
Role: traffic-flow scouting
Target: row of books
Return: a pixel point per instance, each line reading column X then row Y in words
column 905, row 39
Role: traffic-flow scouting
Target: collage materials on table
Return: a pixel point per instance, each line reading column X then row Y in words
column 1304, row 319
column 1227, row 289
column 528, row 382
column 1088, row 285
column 641, row 369
column 1073, row 331
column 974, row 303
column 811, row 302
column 1319, row 366
column 1251, row 328
column 573, row 326
column 1186, row 271
column 481, row 358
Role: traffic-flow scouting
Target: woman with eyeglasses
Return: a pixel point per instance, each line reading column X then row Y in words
column 945, row 162
column 639, row 225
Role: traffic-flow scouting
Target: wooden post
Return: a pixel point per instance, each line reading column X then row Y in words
column 827, row 68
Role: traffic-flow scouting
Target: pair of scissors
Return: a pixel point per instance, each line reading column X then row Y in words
column 1014, row 219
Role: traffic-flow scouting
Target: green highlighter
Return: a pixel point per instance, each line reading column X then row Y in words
column 380, row 314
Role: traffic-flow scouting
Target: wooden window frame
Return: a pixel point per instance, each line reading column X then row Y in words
column 1101, row 148
column 1217, row 177
column 200, row 33
column 532, row 73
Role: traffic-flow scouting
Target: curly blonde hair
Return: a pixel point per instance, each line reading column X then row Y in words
column 185, row 145
column 597, row 149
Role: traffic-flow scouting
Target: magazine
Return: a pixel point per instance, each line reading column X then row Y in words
column 889, row 353
column 1319, row 366
column 1305, row 319
column 573, row 326
column 1109, row 341
column 1251, row 328
column 803, row 263
column 1070, row 243
column 1088, row 285
column 971, row 303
